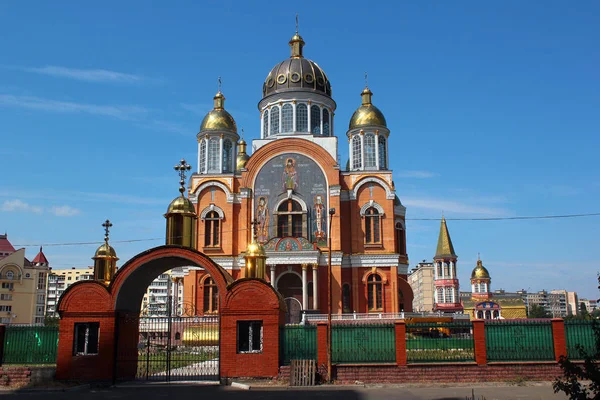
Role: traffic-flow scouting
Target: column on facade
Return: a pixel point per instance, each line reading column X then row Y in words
column 362, row 150
column 280, row 120
column 304, row 287
column 350, row 153
column 377, row 148
column 273, row 276
column 321, row 111
column 294, row 127
column 315, row 269
column 268, row 132
column 262, row 125
column 221, row 153
column 199, row 155
column 309, row 119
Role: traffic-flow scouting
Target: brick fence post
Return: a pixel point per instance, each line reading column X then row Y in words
column 321, row 343
column 479, row 339
column 558, row 336
column 400, row 327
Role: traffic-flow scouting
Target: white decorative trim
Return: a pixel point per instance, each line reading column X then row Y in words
column 389, row 193
column 335, row 190
column 369, row 204
column 374, row 260
column 245, row 193
column 199, row 189
column 210, row 208
column 293, row 197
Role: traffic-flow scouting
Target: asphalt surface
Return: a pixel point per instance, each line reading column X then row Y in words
column 542, row 391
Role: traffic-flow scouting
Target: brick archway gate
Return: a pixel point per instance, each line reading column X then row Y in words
column 97, row 315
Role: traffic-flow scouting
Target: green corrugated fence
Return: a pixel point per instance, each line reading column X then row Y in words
column 297, row 343
column 363, row 343
column 523, row 340
column 30, row 345
column 439, row 342
column 580, row 336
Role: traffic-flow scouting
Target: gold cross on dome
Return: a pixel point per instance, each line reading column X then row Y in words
column 107, row 225
column 181, row 168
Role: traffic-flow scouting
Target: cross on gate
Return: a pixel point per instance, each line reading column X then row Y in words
column 107, row 225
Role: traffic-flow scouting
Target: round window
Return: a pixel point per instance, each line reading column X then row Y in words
column 309, row 78
column 281, row 79
column 27, row 275
column 10, row 275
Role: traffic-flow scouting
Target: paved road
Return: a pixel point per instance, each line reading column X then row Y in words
column 196, row 392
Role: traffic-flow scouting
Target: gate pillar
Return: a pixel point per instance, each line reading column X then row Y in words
column 249, row 336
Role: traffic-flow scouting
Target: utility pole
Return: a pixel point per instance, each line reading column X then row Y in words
column 331, row 214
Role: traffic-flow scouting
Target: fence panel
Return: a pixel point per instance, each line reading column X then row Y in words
column 580, row 333
column 363, row 343
column 439, row 342
column 297, row 343
column 522, row 340
column 30, row 345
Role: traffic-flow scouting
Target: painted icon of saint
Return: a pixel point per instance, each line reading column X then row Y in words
column 319, row 217
column 262, row 216
column 290, row 176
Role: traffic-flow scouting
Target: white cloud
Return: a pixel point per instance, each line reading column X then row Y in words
column 89, row 75
column 452, row 206
column 416, row 174
column 65, row 211
column 20, row 206
column 38, row 103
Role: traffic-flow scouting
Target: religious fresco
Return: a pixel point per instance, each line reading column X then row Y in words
column 291, row 176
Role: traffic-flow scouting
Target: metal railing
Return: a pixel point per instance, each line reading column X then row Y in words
column 580, row 337
column 363, row 343
column 519, row 340
column 30, row 344
column 297, row 343
column 440, row 342
column 379, row 316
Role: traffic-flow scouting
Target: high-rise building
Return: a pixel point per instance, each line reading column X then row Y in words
column 59, row 280
column 554, row 302
column 23, row 285
column 421, row 280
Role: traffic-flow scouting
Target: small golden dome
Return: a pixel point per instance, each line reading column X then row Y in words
column 181, row 205
column 242, row 157
column 367, row 114
column 105, row 251
column 480, row 272
column 255, row 250
column 218, row 119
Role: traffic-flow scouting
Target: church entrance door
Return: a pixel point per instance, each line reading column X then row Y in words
column 290, row 287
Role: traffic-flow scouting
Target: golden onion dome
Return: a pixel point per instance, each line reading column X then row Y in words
column 181, row 205
column 218, row 119
column 255, row 250
column 367, row 114
column 105, row 251
column 242, row 157
column 480, row 272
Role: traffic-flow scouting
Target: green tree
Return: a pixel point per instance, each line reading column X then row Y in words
column 51, row 321
column 536, row 311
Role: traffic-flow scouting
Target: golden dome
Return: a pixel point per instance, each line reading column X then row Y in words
column 242, row 157
column 181, row 205
column 218, row 119
column 367, row 114
column 105, row 251
column 480, row 272
column 255, row 250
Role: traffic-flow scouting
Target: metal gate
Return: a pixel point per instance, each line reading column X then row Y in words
column 172, row 348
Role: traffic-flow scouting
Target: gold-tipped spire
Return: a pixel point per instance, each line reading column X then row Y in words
column 105, row 258
column 444, row 245
column 296, row 43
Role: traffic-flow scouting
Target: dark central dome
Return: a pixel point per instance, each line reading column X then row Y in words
column 297, row 74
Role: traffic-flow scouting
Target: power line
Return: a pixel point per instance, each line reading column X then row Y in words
column 407, row 219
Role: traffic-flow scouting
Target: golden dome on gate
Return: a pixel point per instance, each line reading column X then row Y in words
column 480, row 272
column 105, row 251
column 367, row 114
column 218, row 119
column 255, row 249
column 181, row 205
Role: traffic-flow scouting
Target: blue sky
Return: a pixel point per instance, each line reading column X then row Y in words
column 493, row 111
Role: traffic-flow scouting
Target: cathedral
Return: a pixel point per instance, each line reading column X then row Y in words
column 291, row 202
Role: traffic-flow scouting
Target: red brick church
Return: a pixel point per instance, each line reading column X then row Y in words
column 299, row 199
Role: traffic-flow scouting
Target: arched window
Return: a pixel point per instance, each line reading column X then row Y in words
column 439, row 269
column 326, row 122
column 375, row 293
column 400, row 299
column 287, row 118
column 177, row 336
column 227, row 155
column 266, row 123
column 400, row 238
column 346, row 299
column 315, row 120
column 211, row 229
column 202, row 157
column 213, row 155
column 289, row 219
column 274, row 120
column 10, row 275
column 211, row 296
column 496, row 314
column 480, row 314
column 301, row 118
column 372, row 226
column 356, row 153
column 370, row 161
column 382, row 153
